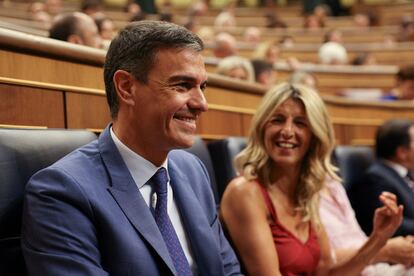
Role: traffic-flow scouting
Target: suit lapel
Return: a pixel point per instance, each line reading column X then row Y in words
column 195, row 222
column 129, row 199
column 402, row 186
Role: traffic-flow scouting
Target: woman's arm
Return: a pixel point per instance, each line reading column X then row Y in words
column 245, row 215
column 386, row 221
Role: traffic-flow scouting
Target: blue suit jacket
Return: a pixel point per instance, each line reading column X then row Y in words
column 84, row 215
column 380, row 177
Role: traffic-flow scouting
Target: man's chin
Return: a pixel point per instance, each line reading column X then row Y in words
column 185, row 141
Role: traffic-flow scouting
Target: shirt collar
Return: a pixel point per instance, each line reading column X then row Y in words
column 140, row 168
column 401, row 170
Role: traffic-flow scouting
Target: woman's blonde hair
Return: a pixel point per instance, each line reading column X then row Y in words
column 254, row 162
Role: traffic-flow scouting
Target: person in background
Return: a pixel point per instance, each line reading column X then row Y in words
column 268, row 50
column 264, row 72
column 106, row 27
column 252, row 35
column 225, row 45
column 333, row 35
column 333, row 53
column 92, row 8
column 131, row 202
column 364, row 58
column 404, row 88
column 77, row 28
column 271, row 210
column 305, row 78
column 391, row 172
column 346, row 236
column 37, row 11
column 236, row 67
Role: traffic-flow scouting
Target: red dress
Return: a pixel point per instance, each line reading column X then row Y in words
column 295, row 257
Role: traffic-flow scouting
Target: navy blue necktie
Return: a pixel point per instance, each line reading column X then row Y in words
column 181, row 265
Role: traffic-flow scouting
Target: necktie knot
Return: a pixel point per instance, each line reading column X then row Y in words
column 160, row 180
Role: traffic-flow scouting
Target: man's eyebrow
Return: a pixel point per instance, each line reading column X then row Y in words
column 185, row 78
column 182, row 78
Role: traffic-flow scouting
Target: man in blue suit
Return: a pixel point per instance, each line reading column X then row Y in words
column 390, row 172
column 97, row 211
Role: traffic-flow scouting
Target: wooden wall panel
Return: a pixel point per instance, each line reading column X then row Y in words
column 20, row 105
column 36, row 68
column 86, row 111
column 232, row 98
column 219, row 124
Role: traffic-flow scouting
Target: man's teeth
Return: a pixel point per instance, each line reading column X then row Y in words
column 286, row 145
column 187, row 119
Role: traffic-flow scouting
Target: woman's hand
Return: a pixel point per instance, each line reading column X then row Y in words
column 388, row 217
column 400, row 250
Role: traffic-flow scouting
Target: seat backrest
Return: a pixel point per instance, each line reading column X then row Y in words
column 23, row 152
column 353, row 161
column 222, row 153
column 200, row 150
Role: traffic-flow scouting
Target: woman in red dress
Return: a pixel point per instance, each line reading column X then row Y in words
column 271, row 210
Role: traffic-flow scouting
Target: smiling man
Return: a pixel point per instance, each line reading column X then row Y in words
column 127, row 204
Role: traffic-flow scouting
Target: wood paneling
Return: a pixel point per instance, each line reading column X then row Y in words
column 21, row 105
column 37, row 68
column 86, row 111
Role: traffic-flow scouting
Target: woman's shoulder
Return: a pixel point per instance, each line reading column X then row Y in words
column 243, row 198
column 241, row 186
column 241, row 190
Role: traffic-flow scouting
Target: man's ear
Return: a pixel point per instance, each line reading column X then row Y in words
column 124, row 86
column 401, row 154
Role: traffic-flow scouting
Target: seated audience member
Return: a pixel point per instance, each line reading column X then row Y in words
column 38, row 13
column 364, row 58
column 225, row 20
column 106, row 28
column 391, row 172
column 131, row 202
column 274, row 22
column 224, row 45
column 287, row 41
column 268, row 50
column 77, row 28
column 346, row 236
column 198, row 9
column 404, row 89
column 252, row 35
column 264, row 73
column 206, row 34
column 271, row 211
column 236, row 67
column 91, row 7
column 333, row 53
column 313, row 23
column 53, row 7
column 406, row 29
column 321, row 12
column 361, row 21
column 333, row 36
column 305, row 78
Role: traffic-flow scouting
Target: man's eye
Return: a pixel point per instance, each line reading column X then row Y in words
column 203, row 87
column 185, row 85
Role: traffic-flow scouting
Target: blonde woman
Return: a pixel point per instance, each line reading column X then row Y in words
column 271, row 210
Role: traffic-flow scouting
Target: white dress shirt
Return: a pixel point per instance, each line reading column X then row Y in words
column 141, row 171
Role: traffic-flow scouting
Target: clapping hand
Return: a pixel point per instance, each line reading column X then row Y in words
column 388, row 217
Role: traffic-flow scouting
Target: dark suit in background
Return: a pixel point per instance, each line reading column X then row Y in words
column 381, row 177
